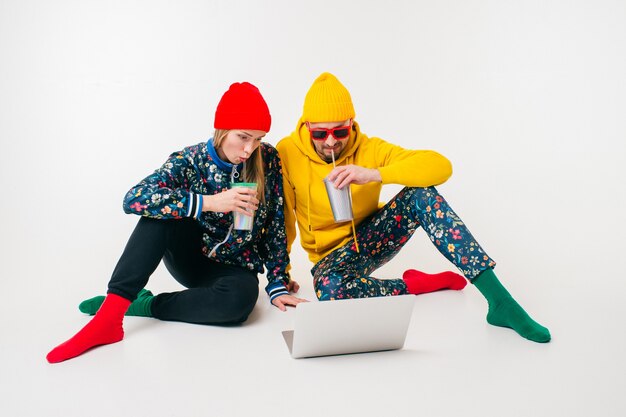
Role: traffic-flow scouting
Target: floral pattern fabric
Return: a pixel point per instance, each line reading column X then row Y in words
column 345, row 273
column 169, row 193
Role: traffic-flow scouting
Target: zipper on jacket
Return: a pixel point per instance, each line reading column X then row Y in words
column 234, row 174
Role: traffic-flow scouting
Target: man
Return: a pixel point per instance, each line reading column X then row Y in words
column 327, row 135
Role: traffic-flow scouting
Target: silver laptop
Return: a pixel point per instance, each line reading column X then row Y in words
column 349, row 326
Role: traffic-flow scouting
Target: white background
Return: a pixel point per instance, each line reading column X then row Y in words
column 526, row 98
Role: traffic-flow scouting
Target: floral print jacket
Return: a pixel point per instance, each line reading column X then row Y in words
column 175, row 190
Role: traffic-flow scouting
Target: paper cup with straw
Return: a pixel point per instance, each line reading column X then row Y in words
column 340, row 199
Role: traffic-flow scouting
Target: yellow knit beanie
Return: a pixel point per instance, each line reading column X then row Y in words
column 327, row 101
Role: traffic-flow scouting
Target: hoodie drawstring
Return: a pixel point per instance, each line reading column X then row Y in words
column 308, row 197
column 356, row 243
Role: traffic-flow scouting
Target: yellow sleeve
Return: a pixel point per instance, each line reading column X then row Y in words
column 412, row 168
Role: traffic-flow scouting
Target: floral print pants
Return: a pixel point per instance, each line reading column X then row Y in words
column 345, row 273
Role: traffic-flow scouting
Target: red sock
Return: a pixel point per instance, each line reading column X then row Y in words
column 104, row 328
column 418, row 282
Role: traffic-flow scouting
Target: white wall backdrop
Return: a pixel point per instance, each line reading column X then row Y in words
column 527, row 98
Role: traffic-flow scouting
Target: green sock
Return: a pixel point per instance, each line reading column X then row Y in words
column 504, row 311
column 139, row 307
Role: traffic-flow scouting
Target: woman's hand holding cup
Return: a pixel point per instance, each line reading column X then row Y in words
column 238, row 199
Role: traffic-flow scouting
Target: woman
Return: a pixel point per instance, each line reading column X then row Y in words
column 185, row 220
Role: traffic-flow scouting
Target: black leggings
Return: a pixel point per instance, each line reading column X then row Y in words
column 216, row 294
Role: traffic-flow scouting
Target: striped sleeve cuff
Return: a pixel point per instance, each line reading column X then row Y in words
column 276, row 289
column 195, row 205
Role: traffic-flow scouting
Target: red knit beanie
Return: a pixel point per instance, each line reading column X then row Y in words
column 243, row 107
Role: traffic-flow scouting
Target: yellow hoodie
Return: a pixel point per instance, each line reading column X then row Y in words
column 305, row 194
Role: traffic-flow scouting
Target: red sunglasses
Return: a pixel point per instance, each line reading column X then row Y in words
column 320, row 133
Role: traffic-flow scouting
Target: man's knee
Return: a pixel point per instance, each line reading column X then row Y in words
column 422, row 192
column 426, row 200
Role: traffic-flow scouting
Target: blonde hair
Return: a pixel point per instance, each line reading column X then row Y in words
column 253, row 168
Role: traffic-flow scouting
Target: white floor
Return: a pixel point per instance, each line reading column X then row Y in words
column 453, row 362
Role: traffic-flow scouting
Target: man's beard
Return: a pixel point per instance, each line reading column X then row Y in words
column 329, row 158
